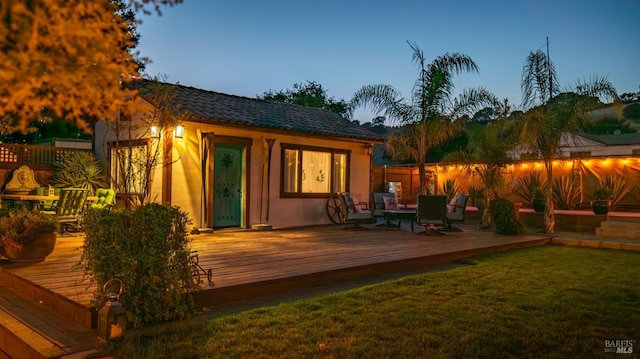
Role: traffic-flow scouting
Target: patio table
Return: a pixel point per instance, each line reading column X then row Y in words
column 399, row 215
column 33, row 199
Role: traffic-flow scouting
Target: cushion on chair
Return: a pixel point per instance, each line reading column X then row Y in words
column 105, row 198
column 356, row 206
column 390, row 202
column 451, row 207
column 351, row 205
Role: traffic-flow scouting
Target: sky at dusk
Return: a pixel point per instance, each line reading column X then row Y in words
column 245, row 47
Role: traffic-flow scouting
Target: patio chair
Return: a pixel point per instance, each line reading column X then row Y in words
column 48, row 205
column 70, row 207
column 378, row 204
column 106, row 199
column 353, row 212
column 432, row 211
column 455, row 212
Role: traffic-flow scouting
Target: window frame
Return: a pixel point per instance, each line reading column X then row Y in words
column 300, row 148
column 127, row 144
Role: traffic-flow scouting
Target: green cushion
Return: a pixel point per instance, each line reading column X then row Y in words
column 106, row 197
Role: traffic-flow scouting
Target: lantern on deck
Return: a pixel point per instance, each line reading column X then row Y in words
column 112, row 318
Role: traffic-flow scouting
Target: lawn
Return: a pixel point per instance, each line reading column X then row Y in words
column 550, row 301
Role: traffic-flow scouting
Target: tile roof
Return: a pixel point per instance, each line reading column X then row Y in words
column 218, row 108
column 614, row 140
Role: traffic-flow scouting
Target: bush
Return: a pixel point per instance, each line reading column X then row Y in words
column 566, row 193
column 78, row 170
column 504, row 217
column 525, row 186
column 20, row 227
column 147, row 248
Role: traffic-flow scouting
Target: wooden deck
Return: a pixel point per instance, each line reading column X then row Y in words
column 246, row 265
column 246, row 257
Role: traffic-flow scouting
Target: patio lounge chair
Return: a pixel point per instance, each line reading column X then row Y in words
column 432, row 211
column 455, row 212
column 70, row 207
column 353, row 212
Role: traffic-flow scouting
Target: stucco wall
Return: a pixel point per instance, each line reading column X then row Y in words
column 187, row 187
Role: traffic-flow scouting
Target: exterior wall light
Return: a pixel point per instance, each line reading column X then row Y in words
column 179, row 131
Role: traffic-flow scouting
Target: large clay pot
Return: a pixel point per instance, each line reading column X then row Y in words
column 538, row 205
column 37, row 250
column 600, row 206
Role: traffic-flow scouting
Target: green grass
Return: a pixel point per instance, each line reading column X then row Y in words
column 550, row 301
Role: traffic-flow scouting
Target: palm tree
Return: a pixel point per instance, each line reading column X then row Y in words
column 430, row 112
column 487, row 153
column 549, row 115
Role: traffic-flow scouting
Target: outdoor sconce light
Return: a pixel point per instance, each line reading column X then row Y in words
column 368, row 148
column 154, row 131
column 179, row 131
column 112, row 318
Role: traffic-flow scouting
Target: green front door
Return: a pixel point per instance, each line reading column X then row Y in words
column 228, row 186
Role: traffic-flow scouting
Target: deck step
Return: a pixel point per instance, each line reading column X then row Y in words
column 613, row 224
column 619, row 229
column 29, row 330
column 39, row 295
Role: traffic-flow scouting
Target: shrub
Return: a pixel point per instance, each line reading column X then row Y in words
column 566, row 193
column 475, row 192
column 450, row 188
column 19, row 227
column 524, row 186
column 79, row 170
column 147, row 248
column 504, row 217
column 612, row 187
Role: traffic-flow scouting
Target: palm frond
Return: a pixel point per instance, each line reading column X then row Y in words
column 381, row 98
column 539, row 80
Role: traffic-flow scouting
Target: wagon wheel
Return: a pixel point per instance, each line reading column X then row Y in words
column 333, row 209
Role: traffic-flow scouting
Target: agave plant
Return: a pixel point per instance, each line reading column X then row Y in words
column 566, row 193
column 450, row 187
column 525, row 186
column 619, row 188
column 78, row 169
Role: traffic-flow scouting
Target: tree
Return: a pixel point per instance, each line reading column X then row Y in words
column 136, row 161
column 311, row 94
column 487, row 153
column 430, row 112
column 549, row 115
column 69, row 57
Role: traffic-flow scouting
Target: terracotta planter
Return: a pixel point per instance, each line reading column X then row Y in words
column 516, row 209
column 37, row 250
column 600, row 206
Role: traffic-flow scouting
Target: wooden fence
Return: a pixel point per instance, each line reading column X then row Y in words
column 39, row 158
column 36, row 157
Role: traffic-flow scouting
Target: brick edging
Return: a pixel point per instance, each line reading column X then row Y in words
column 597, row 244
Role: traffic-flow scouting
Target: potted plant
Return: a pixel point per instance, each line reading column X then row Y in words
column 601, row 202
column 537, row 199
column 27, row 235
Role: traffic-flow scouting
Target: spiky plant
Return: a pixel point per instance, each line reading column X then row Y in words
column 566, row 193
column 78, row 169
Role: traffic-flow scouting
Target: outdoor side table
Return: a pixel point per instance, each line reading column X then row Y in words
column 399, row 215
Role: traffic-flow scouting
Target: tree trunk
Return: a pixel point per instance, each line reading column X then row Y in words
column 549, row 219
